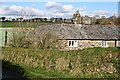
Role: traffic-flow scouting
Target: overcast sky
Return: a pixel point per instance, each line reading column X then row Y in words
column 58, row 9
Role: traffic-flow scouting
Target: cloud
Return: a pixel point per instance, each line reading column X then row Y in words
column 51, row 4
column 15, row 10
column 52, row 9
column 59, row 10
column 56, row 7
column 68, row 8
column 57, row 14
column 83, row 8
column 101, row 13
column 63, row 10
column 115, row 14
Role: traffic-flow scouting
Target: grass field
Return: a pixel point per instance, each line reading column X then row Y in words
column 86, row 63
column 24, row 24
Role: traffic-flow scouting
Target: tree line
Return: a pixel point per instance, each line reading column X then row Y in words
column 113, row 20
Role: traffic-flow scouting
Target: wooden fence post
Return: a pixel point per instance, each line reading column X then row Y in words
column 5, row 38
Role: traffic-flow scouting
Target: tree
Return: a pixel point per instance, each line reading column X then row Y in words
column 21, row 30
column 52, row 19
column 103, row 17
column 64, row 19
column 61, row 20
column 45, row 19
column 25, row 36
column 98, row 21
column 43, row 37
column 118, row 21
column 3, row 18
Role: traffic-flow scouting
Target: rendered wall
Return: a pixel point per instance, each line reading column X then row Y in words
column 85, row 44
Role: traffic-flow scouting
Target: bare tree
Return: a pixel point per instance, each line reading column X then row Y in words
column 44, row 39
column 22, row 29
column 25, row 35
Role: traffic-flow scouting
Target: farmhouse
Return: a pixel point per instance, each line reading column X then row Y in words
column 78, row 19
column 74, row 37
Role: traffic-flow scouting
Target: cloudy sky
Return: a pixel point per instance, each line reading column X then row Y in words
column 58, row 9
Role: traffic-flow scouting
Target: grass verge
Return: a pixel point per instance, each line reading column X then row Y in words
column 86, row 63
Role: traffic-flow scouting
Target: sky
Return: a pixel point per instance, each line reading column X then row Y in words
column 58, row 9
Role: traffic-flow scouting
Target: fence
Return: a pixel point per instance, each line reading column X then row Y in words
column 5, row 35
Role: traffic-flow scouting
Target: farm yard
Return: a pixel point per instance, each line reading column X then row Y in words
column 59, row 40
column 35, row 55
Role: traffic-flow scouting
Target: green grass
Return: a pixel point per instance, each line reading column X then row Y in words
column 24, row 24
column 59, row 64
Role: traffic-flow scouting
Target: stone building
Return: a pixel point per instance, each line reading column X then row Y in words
column 77, row 18
column 86, row 20
column 74, row 37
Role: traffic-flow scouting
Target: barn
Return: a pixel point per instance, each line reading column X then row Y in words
column 74, row 37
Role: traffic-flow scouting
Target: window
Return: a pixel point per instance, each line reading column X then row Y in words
column 118, row 43
column 104, row 44
column 72, row 43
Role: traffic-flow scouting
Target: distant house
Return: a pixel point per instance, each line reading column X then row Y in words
column 9, row 19
column 68, row 20
column 74, row 37
column 48, row 20
column 87, row 20
column 78, row 19
column 20, row 19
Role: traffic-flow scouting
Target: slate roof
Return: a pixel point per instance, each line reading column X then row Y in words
column 71, row 31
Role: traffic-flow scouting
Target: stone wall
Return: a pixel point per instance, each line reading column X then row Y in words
column 85, row 44
column 111, row 43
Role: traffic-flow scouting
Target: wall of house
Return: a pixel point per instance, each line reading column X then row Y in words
column 111, row 43
column 85, row 44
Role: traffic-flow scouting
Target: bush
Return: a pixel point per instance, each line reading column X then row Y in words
column 25, row 38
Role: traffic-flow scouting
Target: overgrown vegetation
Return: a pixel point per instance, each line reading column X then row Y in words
column 86, row 63
column 27, row 38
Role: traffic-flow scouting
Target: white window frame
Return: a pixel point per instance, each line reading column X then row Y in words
column 72, row 43
column 104, row 43
column 118, row 43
